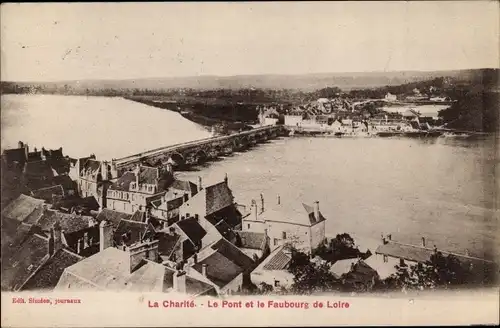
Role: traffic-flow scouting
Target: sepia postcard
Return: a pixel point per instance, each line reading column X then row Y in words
column 228, row 164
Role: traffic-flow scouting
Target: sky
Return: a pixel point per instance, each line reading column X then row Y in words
column 76, row 41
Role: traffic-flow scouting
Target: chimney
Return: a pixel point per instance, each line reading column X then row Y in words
column 316, row 210
column 423, row 241
column 225, row 178
column 104, row 170
column 137, row 171
column 200, row 184
column 261, row 203
column 254, row 209
column 180, row 281
column 204, row 270
column 26, row 150
column 55, row 239
column 171, row 231
column 197, row 217
column 20, row 144
column 279, row 200
column 105, row 235
column 467, row 253
column 141, row 251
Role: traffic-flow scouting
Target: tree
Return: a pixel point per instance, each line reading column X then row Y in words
column 309, row 277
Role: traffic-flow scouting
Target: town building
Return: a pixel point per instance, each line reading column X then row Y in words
column 138, row 189
column 93, row 178
column 253, row 244
column 390, row 97
column 303, row 226
column 273, row 271
column 224, row 265
column 211, row 205
column 133, row 269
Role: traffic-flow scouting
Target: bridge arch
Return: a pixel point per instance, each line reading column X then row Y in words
column 177, row 159
column 201, row 156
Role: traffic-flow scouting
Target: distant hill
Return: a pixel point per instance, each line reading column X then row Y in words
column 305, row 82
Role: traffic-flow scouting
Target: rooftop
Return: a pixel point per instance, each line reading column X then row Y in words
column 21, row 207
column 110, row 270
column 112, row 216
column 20, row 264
column 300, row 215
column 277, row 260
column 49, row 274
column 252, row 240
column 193, row 230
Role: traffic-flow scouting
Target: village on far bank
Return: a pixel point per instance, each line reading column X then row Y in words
column 74, row 224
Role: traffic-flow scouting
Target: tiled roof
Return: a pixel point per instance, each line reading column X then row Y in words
column 166, row 242
column 138, row 216
column 129, row 232
column 218, row 197
column 65, row 181
column 183, row 185
column 21, row 264
column 193, row 230
column 91, row 166
column 60, row 165
column 38, row 168
column 252, row 240
column 123, row 182
column 197, row 287
column 384, row 269
column 112, row 216
column 69, row 222
column 21, row 207
column 232, row 253
column 48, row 276
column 89, row 203
column 148, row 175
column 220, row 270
column 278, row 260
column 14, row 234
column 48, row 192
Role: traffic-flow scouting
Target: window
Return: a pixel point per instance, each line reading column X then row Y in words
column 276, row 283
column 283, row 235
column 133, row 196
column 275, row 241
column 385, row 258
column 248, row 226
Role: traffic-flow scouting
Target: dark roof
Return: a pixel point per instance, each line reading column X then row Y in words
column 60, row 165
column 15, row 155
column 129, row 232
column 310, row 212
column 48, row 275
column 197, row 287
column 39, row 169
column 89, row 203
column 35, row 156
column 112, row 216
column 218, row 197
column 21, row 264
column 123, row 182
column 278, row 261
column 186, row 186
column 220, row 270
column 21, row 207
column 166, row 242
column 138, row 216
column 148, row 175
column 83, row 160
column 13, row 234
column 65, row 181
column 232, row 253
column 225, row 230
column 69, row 222
column 47, row 193
column 193, row 230
column 252, row 240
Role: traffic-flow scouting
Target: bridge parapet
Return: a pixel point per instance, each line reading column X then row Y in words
column 222, row 143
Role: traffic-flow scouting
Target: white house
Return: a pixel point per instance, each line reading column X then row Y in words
column 390, row 97
column 273, row 270
column 301, row 225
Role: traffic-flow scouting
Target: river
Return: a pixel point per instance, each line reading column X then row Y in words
column 442, row 188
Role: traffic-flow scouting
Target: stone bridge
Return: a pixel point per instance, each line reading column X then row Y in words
column 199, row 151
